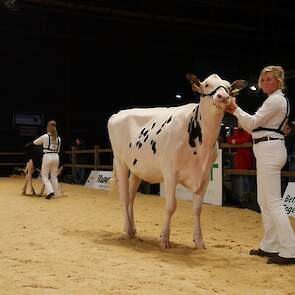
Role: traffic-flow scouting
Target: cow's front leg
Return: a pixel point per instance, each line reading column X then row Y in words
column 28, row 179
column 24, row 189
column 197, row 208
column 170, row 187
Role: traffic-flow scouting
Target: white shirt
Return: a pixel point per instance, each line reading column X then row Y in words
column 49, row 145
column 270, row 115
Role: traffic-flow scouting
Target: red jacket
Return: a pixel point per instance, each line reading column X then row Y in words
column 243, row 158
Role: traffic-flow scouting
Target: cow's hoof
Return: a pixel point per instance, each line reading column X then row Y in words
column 130, row 232
column 164, row 245
column 199, row 244
column 130, row 235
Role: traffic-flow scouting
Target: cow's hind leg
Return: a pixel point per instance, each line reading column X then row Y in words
column 170, row 187
column 122, row 172
column 134, row 183
column 42, row 190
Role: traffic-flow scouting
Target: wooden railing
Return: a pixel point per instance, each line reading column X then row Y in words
column 97, row 151
column 226, row 171
column 12, row 154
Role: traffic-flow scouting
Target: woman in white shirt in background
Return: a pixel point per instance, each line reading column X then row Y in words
column 51, row 143
column 266, row 125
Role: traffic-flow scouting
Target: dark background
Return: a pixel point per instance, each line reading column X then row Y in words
column 80, row 61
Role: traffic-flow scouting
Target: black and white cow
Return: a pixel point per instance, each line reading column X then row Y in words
column 33, row 156
column 171, row 145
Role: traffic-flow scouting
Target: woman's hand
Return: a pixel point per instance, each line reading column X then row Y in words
column 232, row 105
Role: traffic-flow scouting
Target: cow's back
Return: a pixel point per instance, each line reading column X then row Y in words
column 148, row 140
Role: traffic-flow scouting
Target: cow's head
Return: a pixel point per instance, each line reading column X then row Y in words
column 219, row 90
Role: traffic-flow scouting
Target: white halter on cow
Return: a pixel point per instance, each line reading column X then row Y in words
column 171, row 145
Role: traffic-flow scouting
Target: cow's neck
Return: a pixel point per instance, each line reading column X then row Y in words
column 209, row 118
column 210, row 122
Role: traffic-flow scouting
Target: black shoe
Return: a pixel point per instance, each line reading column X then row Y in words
column 281, row 260
column 49, row 196
column 259, row 252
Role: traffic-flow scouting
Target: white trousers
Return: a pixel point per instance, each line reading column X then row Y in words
column 278, row 233
column 49, row 167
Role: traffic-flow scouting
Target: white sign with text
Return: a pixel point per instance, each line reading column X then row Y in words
column 99, row 179
column 289, row 199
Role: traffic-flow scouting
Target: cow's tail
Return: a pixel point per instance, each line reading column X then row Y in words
column 113, row 182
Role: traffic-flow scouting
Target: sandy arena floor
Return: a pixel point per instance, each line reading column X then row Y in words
column 74, row 245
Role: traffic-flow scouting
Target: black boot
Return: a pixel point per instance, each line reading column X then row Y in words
column 49, row 196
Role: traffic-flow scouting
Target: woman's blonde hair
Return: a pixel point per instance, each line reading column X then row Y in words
column 278, row 73
column 51, row 128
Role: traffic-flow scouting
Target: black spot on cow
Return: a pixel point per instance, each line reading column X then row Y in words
column 139, row 145
column 154, row 147
column 134, row 162
column 158, row 131
column 163, row 124
column 130, row 145
column 194, row 130
column 169, row 120
column 141, row 132
column 146, row 138
column 145, row 133
column 152, row 141
column 153, row 125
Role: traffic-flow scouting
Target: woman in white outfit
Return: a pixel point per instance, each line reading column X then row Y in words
column 51, row 143
column 266, row 125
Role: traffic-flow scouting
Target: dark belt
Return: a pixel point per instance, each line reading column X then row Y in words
column 265, row 138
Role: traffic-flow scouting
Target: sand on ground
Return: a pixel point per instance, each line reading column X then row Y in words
column 74, row 245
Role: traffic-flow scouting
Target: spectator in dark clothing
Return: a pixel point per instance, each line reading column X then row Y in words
column 289, row 131
column 242, row 185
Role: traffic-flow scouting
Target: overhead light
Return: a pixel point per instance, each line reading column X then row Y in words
column 253, row 88
column 178, row 96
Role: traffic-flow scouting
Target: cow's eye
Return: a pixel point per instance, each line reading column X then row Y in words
column 206, row 85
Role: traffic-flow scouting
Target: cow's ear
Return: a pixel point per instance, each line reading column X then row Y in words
column 237, row 86
column 194, row 80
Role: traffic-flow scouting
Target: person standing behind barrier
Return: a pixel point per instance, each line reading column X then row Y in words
column 51, row 143
column 244, row 160
column 266, row 125
column 289, row 132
